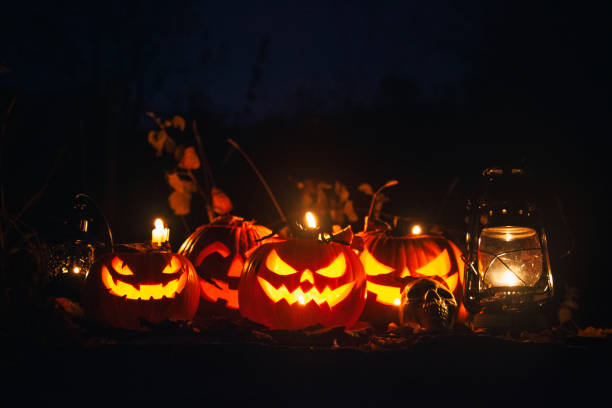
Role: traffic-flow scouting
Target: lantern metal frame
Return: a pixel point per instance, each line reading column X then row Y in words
column 507, row 201
column 75, row 256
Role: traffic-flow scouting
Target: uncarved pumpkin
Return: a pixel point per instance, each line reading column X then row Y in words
column 302, row 282
column 390, row 262
column 134, row 283
column 217, row 250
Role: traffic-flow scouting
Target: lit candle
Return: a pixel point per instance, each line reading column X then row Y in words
column 311, row 220
column 160, row 234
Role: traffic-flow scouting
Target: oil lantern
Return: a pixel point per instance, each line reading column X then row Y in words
column 507, row 270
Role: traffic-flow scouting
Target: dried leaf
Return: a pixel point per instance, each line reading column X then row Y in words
column 179, row 152
column 69, row 306
column 591, row 332
column 357, row 243
column 341, row 191
column 182, row 186
column 157, row 139
column 336, row 215
column 366, row 188
column 190, row 160
column 178, row 122
column 170, row 145
column 221, row 202
column 180, row 203
column 380, row 200
column 344, row 235
column 564, row 314
column 323, row 185
column 349, row 211
column 321, row 196
column 261, row 230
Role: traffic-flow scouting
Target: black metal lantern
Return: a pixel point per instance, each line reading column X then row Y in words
column 74, row 254
column 507, row 268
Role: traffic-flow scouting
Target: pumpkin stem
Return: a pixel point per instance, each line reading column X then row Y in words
column 263, row 181
column 389, row 183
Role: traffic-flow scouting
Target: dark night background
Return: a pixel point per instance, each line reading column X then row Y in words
column 428, row 93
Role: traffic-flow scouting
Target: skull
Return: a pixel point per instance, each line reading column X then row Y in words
column 427, row 305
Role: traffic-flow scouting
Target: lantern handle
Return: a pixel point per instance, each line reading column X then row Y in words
column 108, row 228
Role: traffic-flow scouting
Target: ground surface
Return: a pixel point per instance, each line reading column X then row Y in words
column 235, row 362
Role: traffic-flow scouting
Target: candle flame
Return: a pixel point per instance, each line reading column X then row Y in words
column 311, row 221
column 508, row 278
column 159, row 224
column 416, row 229
column 160, row 232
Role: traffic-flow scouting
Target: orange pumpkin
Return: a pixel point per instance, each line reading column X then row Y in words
column 217, row 250
column 302, row 282
column 134, row 283
column 390, row 262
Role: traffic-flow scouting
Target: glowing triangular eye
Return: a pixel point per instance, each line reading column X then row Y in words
column 173, row 266
column 277, row 265
column 440, row 266
column 120, row 267
column 334, row 269
column 372, row 266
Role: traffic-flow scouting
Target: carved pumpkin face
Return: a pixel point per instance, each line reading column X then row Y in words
column 299, row 283
column 390, row 262
column 217, row 251
column 126, row 286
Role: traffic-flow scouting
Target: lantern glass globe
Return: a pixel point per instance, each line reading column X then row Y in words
column 509, row 256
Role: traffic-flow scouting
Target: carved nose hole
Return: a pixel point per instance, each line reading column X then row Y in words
column 307, row 276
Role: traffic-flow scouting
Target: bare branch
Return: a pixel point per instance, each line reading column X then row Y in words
column 263, row 181
column 44, row 187
column 208, row 179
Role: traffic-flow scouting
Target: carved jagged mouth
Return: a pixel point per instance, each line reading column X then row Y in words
column 213, row 293
column 387, row 295
column 157, row 291
column 332, row 297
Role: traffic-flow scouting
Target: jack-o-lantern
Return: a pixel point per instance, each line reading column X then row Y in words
column 302, row 282
column 390, row 262
column 217, row 250
column 134, row 283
